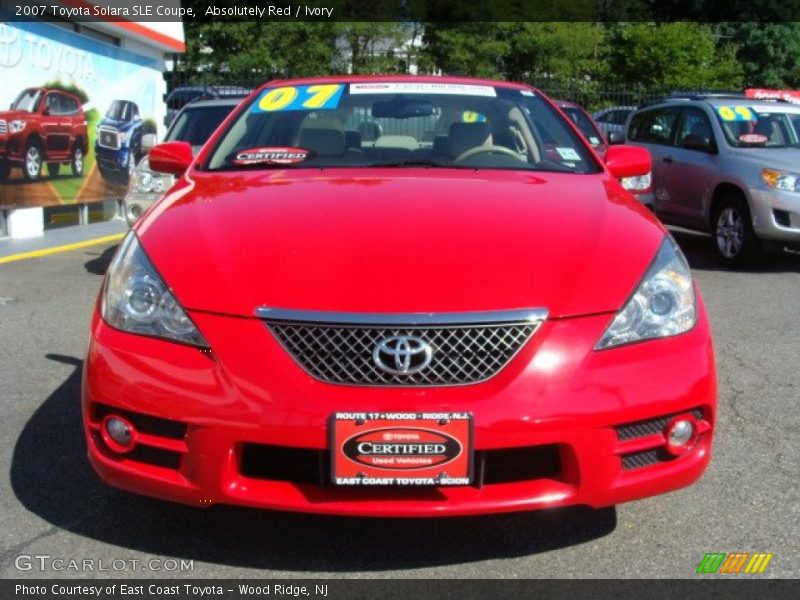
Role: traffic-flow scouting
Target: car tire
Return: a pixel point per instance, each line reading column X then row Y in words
column 735, row 240
column 32, row 162
column 77, row 161
column 5, row 171
column 53, row 169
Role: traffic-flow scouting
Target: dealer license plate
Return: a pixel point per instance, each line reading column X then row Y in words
column 408, row 449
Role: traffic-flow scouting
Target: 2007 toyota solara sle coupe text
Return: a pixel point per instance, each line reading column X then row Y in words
column 399, row 296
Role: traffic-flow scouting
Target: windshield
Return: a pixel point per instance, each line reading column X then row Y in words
column 118, row 111
column 27, row 100
column 195, row 125
column 750, row 127
column 585, row 124
column 387, row 124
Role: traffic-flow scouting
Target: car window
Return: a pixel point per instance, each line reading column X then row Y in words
column 585, row 124
column 694, row 126
column 28, row 100
column 53, row 103
column 654, row 126
column 72, row 106
column 388, row 124
column 195, row 125
column 620, row 116
column 766, row 127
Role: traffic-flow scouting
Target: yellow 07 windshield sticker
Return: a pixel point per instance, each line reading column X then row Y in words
column 299, row 97
column 736, row 113
column 470, row 116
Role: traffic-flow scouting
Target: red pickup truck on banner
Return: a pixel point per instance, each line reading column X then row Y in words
column 792, row 96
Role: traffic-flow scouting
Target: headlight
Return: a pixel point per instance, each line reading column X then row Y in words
column 16, row 125
column 145, row 181
column 637, row 184
column 787, row 182
column 663, row 305
column 137, row 300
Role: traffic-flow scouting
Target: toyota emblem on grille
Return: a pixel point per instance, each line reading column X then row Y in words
column 402, row 354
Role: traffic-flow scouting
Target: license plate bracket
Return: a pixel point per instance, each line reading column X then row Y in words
column 401, row 449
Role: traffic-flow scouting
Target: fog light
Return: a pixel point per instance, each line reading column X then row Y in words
column 135, row 211
column 118, row 433
column 681, row 434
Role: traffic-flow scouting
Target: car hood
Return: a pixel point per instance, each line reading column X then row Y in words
column 118, row 124
column 10, row 115
column 787, row 159
column 394, row 240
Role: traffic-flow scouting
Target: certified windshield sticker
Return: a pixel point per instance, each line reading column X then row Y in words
column 270, row 155
column 736, row 113
column 299, row 97
column 413, row 87
column 568, row 153
column 526, row 93
column 594, row 141
column 753, row 138
column 470, row 116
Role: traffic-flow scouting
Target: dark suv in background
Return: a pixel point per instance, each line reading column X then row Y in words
column 727, row 164
column 43, row 126
column 118, row 144
column 181, row 96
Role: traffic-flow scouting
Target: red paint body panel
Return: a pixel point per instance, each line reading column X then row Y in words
column 443, row 240
column 399, row 241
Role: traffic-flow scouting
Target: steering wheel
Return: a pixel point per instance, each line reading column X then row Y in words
column 487, row 150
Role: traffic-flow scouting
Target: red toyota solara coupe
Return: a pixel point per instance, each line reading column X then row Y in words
column 399, row 296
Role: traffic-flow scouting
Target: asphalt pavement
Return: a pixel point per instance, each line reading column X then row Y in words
column 52, row 503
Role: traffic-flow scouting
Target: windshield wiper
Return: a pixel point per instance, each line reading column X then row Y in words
column 419, row 162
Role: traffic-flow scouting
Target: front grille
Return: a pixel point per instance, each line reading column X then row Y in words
column 460, row 353
column 108, row 138
column 645, row 458
column 313, row 467
column 639, row 429
column 3, row 127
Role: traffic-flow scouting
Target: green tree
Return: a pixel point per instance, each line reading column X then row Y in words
column 768, row 52
column 254, row 51
column 670, row 55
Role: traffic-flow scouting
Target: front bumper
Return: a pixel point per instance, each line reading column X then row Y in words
column 206, row 417
column 776, row 215
column 112, row 161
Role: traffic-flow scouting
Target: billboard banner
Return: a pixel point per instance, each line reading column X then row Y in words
column 73, row 111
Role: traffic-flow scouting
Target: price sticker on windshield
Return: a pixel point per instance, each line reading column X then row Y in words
column 299, row 97
column 470, row 116
column 736, row 113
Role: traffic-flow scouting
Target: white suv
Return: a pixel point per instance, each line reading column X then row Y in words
column 725, row 164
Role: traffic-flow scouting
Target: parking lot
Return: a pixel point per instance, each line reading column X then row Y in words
column 54, row 505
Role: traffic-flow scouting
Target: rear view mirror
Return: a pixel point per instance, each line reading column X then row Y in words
column 148, row 141
column 697, row 142
column 402, row 109
column 628, row 161
column 616, row 137
column 171, row 157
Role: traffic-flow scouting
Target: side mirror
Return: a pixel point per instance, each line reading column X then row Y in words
column 697, row 142
column 148, row 141
column 616, row 137
column 171, row 157
column 627, row 161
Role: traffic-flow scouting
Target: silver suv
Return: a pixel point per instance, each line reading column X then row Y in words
column 725, row 164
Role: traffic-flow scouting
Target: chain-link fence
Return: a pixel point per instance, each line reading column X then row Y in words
column 592, row 95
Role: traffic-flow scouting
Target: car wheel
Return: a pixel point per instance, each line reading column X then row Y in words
column 5, row 170
column 53, row 169
column 734, row 238
column 77, row 161
column 32, row 167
